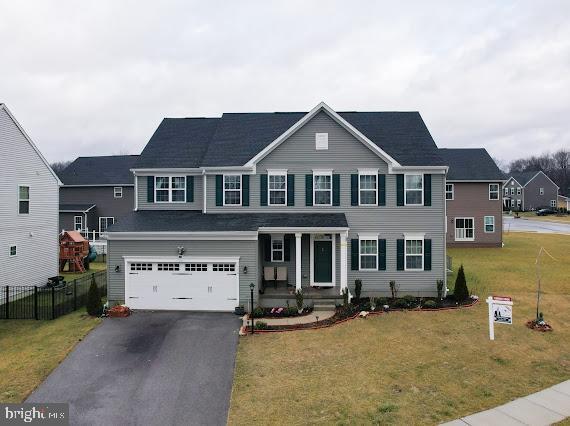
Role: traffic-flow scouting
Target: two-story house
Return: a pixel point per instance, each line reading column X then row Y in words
column 96, row 192
column 474, row 198
column 529, row 191
column 325, row 197
column 29, row 249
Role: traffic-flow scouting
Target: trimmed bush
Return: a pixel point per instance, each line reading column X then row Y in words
column 440, row 289
column 258, row 312
column 461, row 292
column 412, row 301
column 357, row 289
column 400, row 304
column 430, row 304
column 94, row 304
column 381, row 301
column 260, row 325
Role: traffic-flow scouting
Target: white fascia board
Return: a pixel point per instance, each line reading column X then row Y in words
column 368, row 236
column 414, row 235
column 276, row 171
column 322, row 171
column 183, row 258
column 166, row 171
column 438, row 170
column 539, row 172
column 367, row 171
column 29, row 139
column 191, row 236
column 305, row 230
column 336, row 117
column 107, row 185
column 477, row 181
column 514, row 180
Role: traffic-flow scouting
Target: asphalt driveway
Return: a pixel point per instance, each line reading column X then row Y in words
column 529, row 225
column 153, row 368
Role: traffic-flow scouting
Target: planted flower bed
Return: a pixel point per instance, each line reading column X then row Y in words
column 280, row 312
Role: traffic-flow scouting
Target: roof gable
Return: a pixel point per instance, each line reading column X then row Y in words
column 471, row 164
column 103, row 170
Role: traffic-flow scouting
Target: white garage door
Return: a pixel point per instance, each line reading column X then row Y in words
column 188, row 286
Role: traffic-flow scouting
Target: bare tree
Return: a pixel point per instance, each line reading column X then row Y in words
column 59, row 166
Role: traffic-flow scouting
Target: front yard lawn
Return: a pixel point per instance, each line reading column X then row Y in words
column 417, row 367
column 30, row 350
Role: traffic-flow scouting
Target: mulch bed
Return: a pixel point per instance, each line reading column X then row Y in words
column 534, row 325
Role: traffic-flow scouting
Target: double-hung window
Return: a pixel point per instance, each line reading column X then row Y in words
column 118, row 192
column 449, row 191
column 322, row 188
column 277, row 249
column 414, row 190
column 512, row 191
column 232, row 190
column 519, row 202
column 464, row 229
column 368, row 187
column 105, row 222
column 170, row 189
column 368, row 253
column 541, row 191
column 519, row 191
column 23, row 199
column 13, row 250
column 277, row 188
column 489, row 224
column 506, row 192
column 78, row 223
column 493, row 191
column 552, row 203
column 414, row 254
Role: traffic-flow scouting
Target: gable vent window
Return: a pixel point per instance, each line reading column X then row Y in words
column 321, row 141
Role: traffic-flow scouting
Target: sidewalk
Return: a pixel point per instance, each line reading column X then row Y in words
column 542, row 408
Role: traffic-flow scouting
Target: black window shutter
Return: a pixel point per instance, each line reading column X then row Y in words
column 219, row 190
column 286, row 248
column 150, row 189
column 263, row 189
column 308, row 190
column 189, row 189
column 336, row 190
column 400, row 190
column 400, row 254
column 290, row 190
column 354, row 190
column 381, row 190
column 245, row 190
column 381, row 254
column 427, row 190
column 267, row 248
column 354, row 254
column 427, row 255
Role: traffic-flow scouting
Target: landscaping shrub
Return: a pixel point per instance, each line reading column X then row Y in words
column 345, row 297
column 291, row 311
column 461, row 293
column 357, row 288
column 381, row 301
column 94, row 304
column 412, row 301
column 400, row 304
column 260, row 325
column 439, row 284
column 394, row 289
column 299, row 300
column 258, row 312
column 430, row 304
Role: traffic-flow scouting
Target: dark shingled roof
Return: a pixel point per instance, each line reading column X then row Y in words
column 75, row 207
column 523, row 177
column 105, row 170
column 196, row 221
column 470, row 164
column 235, row 138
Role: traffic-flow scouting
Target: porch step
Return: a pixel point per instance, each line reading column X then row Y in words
column 322, row 306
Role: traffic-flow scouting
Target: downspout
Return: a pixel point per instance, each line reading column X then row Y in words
column 445, row 235
column 136, row 191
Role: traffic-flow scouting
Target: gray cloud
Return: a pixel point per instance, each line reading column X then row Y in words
column 95, row 78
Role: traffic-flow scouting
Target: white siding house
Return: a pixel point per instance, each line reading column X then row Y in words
column 29, row 205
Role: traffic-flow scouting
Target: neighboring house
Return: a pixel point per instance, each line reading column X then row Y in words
column 529, row 191
column 325, row 197
column 96, row 192
column 563, row 202
column 29, row 249
column 474, row 198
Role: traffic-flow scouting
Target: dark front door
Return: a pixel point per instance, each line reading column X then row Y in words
column 323, row 262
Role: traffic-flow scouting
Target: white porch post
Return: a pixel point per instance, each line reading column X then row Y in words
column 343, row 261
column 298, row 236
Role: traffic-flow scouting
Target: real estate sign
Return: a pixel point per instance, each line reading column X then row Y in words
column 500, row 311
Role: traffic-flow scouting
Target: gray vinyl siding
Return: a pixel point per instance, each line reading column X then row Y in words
column 142, row 182
column 35, row 234
column 245, row 250
column 532, row 198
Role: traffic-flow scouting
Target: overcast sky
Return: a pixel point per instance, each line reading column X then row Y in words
column 97, row 77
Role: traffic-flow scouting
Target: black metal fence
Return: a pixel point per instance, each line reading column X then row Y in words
column 45, row 303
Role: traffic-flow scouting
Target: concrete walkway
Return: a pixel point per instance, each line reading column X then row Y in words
column 542, row 408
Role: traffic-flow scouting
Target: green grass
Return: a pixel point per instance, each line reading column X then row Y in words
column 549, row 218
column 32, row 349
column 417, row 367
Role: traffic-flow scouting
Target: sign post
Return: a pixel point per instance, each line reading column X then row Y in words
column 500, row 311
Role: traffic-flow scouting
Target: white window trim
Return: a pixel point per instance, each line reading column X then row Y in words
column 28, row 200
column 421, row 190
column 414, row 237
column 368, row 172
column 506, row 192
column 169, row 189
column 283, row 173
column 367, row 237
column 497, row 191
column 512, row 191
column 541, row 191
column 322, row 173
column 519, row 203
column 233, row 190
column 324, row 141
column 282, row 239
column 106, row 218
column 553, row 203
column 519, row 191
column 117, row 192
column 452, row 191
column 75, row 223
column 455, row 229
column 485, row 225
column 10, row 250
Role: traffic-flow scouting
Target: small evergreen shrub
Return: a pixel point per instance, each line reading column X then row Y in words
column 381, row 301
column 439, row 284
column 357, row 289
column 461, row 293
column 291, row 311
column 400, row 304
column 430, row 304
column 394, row 289
column 260, row 325
column 258, row 312
column 412, row 301
column 345, row 297
column 94, row 304
column 299, row 299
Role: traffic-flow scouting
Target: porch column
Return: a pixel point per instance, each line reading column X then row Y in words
column 298, row 236
column 343, row 261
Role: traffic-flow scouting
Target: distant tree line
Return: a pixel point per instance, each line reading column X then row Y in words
column 59, row 166
column 555, row 166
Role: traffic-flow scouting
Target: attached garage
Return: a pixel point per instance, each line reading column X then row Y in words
column 189, row 284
